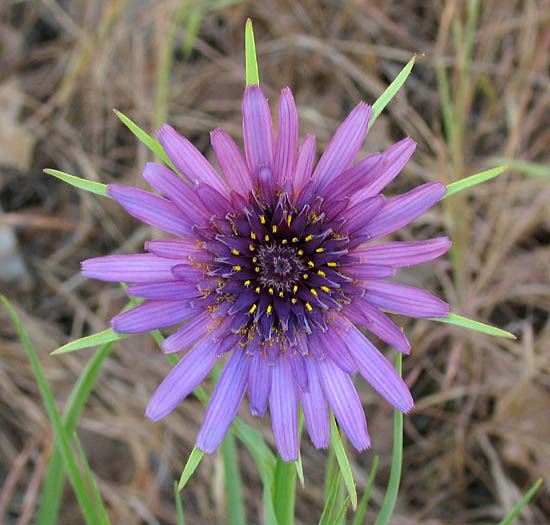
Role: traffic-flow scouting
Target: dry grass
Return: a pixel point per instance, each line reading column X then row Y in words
column 479, row 435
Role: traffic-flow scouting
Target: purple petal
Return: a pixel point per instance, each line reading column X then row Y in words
column 257, row 130
column 231, row 162
column 182, row 379
column 298, row 368
column 304, row 164
column 287, row 138
column 151, row 315
column 164, row 290
column 224, row 403
column 359, row 215
column 366, row 272
column 345, row 403
column 176, row 249
column 151, row 209
column 343, row 147
column 133, row 268
column 188, row 160
column 315, row 407
column 335, row 348
column 405, row 300
column 399, row 254
column 378, row 371
column 283, row 405
column 173, row 187
column 393, row 161
column 259, row 383
column 188, row 334
column 363, row 313
column 403, row 209
column 347, row 183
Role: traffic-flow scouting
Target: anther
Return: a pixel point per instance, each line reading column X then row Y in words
column 253, row 308
column 251, row 247
column 247, row 283
column 308, row 238
column 235, row 252
column 325, row 289
column 309, row 307
column 262, row 219
column 237, row 268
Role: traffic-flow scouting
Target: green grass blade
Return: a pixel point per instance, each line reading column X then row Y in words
column 339, row 518
column 533, row 169
column 55, row 475
column 473, row 180
column 179, row 507
column 101, row 338
column 265, row 462
column 102, row 512
column 250, row 60
column 81, row 490
column 458, row 320
column 144, row 137
column 390, row 498
column 390, row 91
column 330, row 499
column 517, row 509
column 284, row 491
column 360, row 515
column 236, row 514
column 343, row 461
column 192, row 463
column 77, row 182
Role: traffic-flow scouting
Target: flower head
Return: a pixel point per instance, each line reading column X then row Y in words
column 273, row 263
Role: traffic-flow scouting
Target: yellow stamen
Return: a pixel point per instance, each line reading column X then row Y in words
column 294, row 300
column 253, row 236
column 281, row 294
column 308, row 238
column 325, row 289
column 262, row 219
column 254, row 259
column 266, row 238
column 237, row 268
column 320, row 250
column 257, row 290
column 269, row 309
column 305, row 276
column 289, row 219
column 284, row 241
column 321, row 273
column 331, row 264
column 270, row 290
column 253, row 308
column 314, row 292
column 251, row 247
column 295, row 239
column 235, row 252
column 311, row 263
column 300, row 252
column 274, row 229
column 309, row 307
column 257, row 269
column 295, row 288
column 247, row 283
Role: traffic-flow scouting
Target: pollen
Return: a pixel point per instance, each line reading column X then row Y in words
column 253, row 236
column 266, row 238
column 237, row 268
column 284, row 241
column 314, row 292
column 270, row 291
column 251, row 247
column 235, row 252
column 309, row 307
column 257, row 269
column 320, row 250
column 294, row 300
column 262, row 219
column 325, row 289
column 257, row 290
column 308, row 238
column 269, row 309
column 332, row 264
column 321, row 273
column 295, row 239
column 295, row 288
column 289, row 219
column 253, row 308
column 281, row 294
column 305, row 276
column 274, row 228
column 247, row 283
column 311, row 263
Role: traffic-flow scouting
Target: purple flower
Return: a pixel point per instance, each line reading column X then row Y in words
column 273, row 264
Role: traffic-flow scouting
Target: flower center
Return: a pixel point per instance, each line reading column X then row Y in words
column 280, row 266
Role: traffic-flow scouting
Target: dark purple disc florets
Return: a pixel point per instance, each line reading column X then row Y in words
column 278, row 266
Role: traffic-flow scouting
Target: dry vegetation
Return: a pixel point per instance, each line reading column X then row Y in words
column 479, row 435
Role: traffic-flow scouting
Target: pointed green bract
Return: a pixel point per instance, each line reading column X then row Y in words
column 83, row 184
column 343, row 461
column 77, row 480
column 458, row 320
column 192, row 463
column 517, row 509
column 101, row 338
column 144, row 137
column 250, row 60
column 473, row 180
column 390, row 498
column 390, row 91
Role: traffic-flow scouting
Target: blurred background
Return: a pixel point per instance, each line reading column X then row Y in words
column 477, row 97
